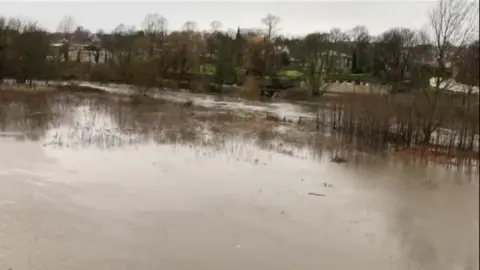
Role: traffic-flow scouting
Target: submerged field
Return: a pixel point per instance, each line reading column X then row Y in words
column 99, row 181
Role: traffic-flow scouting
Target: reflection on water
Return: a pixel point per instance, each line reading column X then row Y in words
column 101, row 183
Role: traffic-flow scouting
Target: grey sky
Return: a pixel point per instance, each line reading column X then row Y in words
column 297, row 17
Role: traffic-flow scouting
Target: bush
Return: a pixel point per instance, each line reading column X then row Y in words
column 68, row 76
column 295, row 94
column 170, row 84
column 101, row 73
column 199, row 86
column 145, row 74
column 251, row 89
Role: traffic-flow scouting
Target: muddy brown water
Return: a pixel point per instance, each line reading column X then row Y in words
column 106, row 184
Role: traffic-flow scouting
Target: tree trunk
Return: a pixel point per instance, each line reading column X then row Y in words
column 427, row 133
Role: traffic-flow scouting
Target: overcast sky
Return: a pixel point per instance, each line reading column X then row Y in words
column 297, row 17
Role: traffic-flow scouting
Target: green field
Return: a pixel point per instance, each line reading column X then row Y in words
column 209, row 69
column 291, row 73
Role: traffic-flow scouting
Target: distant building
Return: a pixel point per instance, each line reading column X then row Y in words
column 340, row 61
column 83, row 53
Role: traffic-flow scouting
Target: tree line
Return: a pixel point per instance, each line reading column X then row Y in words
column 401, row 58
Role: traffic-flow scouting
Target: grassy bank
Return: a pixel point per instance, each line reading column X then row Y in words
column 393, row 123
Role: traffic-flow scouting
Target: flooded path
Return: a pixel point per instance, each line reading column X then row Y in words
column 109, row 185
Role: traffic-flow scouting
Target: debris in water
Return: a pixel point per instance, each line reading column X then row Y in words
column 189, row 103
column 316, row 194
column 338, row 159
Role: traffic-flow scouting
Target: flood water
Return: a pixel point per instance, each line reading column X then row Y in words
column 102, row 183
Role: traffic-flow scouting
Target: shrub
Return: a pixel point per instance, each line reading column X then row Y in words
column 251, row 88
column 101, row 73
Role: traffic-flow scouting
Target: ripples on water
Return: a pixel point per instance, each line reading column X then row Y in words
column 97, row 178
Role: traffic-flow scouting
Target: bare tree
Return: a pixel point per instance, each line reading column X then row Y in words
column 359, row 34
column 468, row 75
column 336, row 35
column 360, row 45
column 186, row 50
column 14, row 24
column 123, row 40
column 317, row 47
column 66, row 27
column 393, row 55
column 155, row 28
column 212, row 40
column 338, row 42
column 81, row 34
column 421, row 69
column 467, row 67
column 271, row 23
column 154, row 23
column 121, row 29
column 216, row 26
column 454, row 24
column 190, row 26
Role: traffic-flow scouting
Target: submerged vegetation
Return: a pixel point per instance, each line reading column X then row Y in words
column 413, row 91
column 138, row 119
column 403, row 123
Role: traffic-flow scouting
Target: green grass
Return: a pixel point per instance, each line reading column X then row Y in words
column 209, row 69
column 290, row 73
column 206, row 69
column 295, row 74
column 359, row 75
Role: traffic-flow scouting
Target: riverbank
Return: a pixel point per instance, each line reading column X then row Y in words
column 343, row 119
